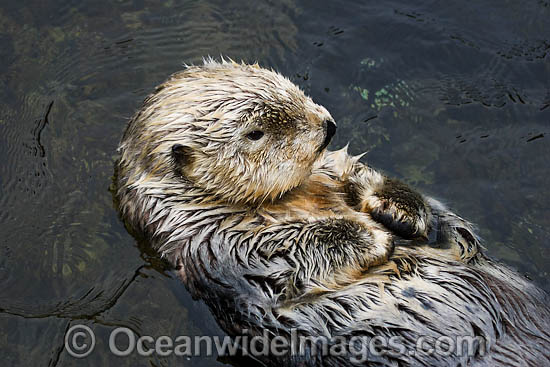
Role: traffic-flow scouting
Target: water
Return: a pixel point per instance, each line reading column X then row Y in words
column 452, row 97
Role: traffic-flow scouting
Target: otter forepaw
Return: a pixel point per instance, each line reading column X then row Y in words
column 400, row 209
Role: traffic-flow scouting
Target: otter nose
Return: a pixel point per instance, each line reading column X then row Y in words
column 330, row 130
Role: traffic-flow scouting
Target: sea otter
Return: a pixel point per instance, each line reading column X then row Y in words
column 225, row 171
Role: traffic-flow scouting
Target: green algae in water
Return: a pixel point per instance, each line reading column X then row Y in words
column 396, row 94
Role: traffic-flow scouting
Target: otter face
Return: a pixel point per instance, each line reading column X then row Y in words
column 239, row 132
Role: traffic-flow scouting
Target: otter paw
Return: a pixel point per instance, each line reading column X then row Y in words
column 400, row 209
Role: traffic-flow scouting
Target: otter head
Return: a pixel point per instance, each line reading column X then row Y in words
column 237, row 132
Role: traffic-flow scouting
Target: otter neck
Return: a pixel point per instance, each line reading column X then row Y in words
column 173, row 216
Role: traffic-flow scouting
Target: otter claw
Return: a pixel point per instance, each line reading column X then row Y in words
column 399, row 209
column 402, row 222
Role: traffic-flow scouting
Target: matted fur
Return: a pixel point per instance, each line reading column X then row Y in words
column 279, row 235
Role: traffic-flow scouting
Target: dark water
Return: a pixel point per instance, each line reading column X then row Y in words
column 452, row 97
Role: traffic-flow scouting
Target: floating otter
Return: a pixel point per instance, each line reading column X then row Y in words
column 225, row 170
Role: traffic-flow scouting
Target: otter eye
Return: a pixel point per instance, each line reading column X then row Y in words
column 255, row 135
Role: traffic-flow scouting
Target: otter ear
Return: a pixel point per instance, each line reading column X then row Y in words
column 182, row 155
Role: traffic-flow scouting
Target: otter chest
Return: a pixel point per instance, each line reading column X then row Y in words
column 317, row 199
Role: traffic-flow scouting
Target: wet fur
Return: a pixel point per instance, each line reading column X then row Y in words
column 317, row 250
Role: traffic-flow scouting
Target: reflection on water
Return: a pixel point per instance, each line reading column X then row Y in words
column 452, row 98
